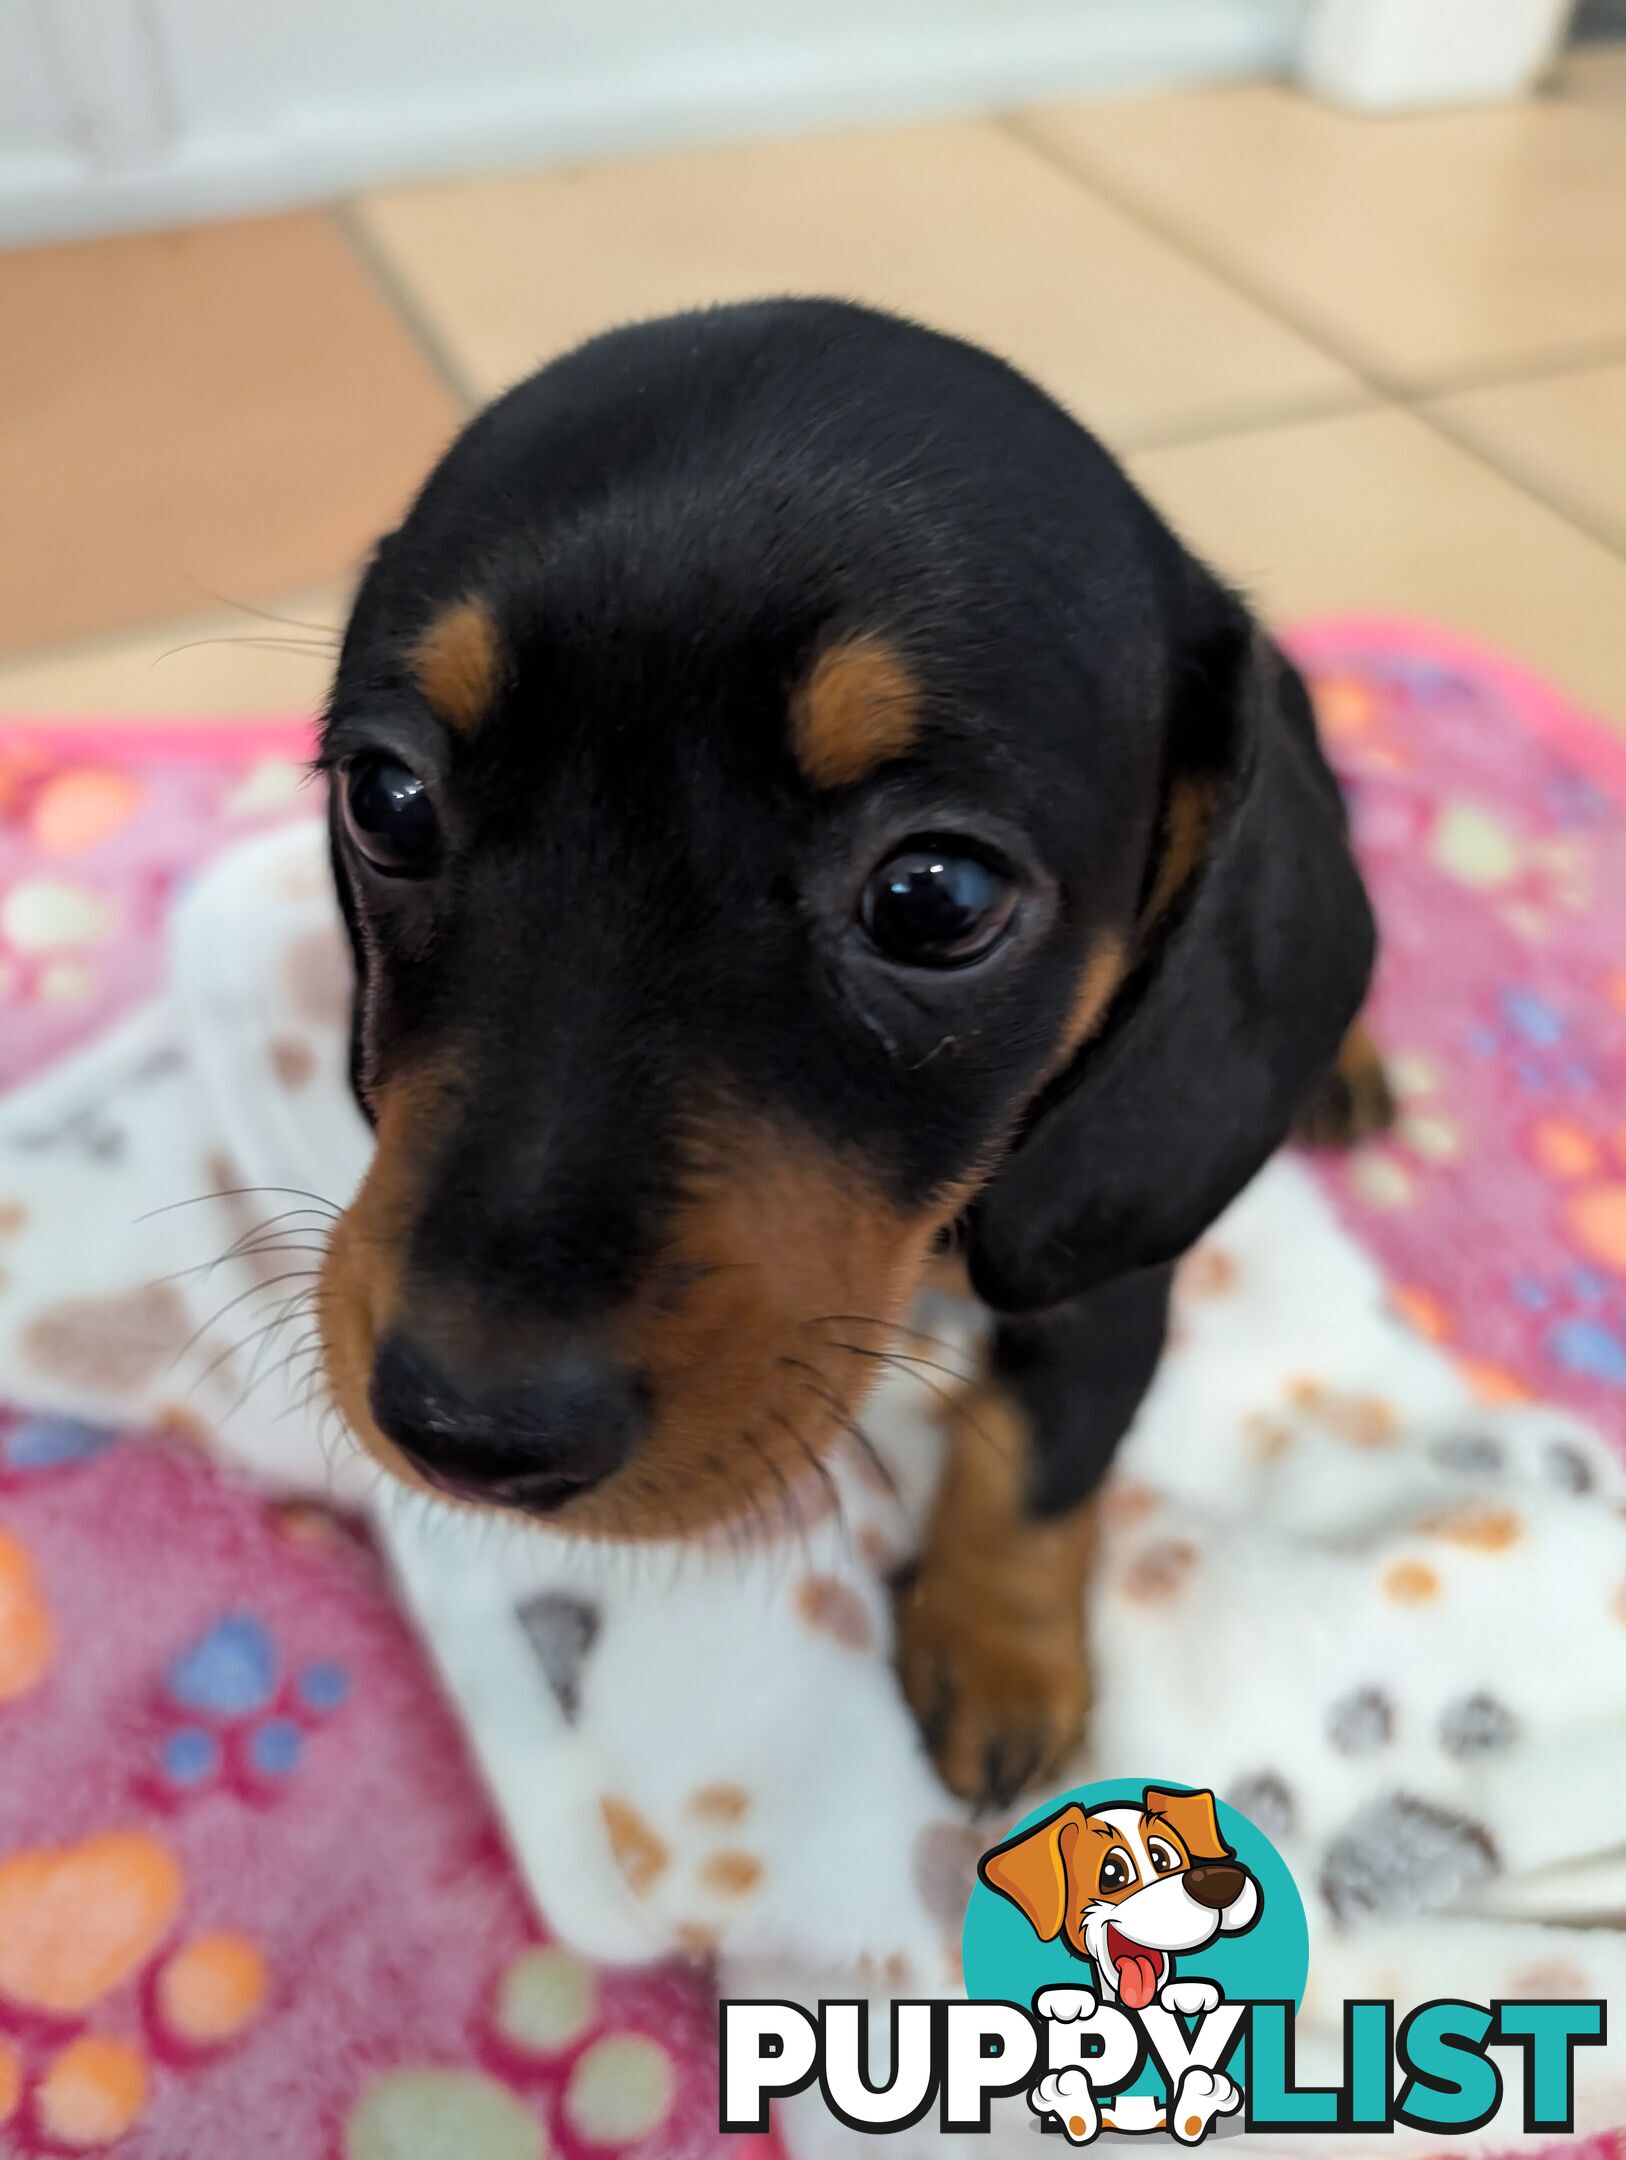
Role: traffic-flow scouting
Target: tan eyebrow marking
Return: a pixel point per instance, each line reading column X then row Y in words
column 456, row 662
column 858, row 708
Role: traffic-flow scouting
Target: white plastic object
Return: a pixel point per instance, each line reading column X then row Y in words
column 1397, row 55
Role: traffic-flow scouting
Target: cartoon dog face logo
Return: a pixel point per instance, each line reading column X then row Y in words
column 1127, row 1885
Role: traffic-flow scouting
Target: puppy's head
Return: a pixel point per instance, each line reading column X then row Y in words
column 1127, row 1886
column 790, row 797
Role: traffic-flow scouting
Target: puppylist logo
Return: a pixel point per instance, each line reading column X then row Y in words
column 1135, row 1955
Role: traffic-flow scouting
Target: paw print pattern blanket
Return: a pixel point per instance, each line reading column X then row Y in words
column 1362, row 1564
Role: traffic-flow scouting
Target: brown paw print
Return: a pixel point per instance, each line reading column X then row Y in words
column 705, row 1863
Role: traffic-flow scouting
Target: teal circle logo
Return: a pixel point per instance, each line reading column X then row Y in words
column 1127, row 1885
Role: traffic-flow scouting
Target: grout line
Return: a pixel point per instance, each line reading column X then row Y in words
column 1407, row 397
column 405, row 306
column 1576, row 359
column 1086, row 175
column 1512, row 475
column 1288, row 411
column 1406, row 390
column 1573, row 358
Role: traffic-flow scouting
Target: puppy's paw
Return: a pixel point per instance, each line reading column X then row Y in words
column 1000, row 1701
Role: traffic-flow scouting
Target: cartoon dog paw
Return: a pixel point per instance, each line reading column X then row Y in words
column 1066, row 2005
column 1190, row 1998
column 1066, row 2095
column 1200, row 2096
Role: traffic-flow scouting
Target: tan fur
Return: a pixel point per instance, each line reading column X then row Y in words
column 457, row 662
column 359, row 1294
column 744, row 1332
column 1354, row 1102
column 857, row 710
column 1188, row 819
column 990, row 1647
column 1098, row 980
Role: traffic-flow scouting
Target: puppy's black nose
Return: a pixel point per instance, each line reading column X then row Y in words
column 1215, row 1884
column 531, row 1443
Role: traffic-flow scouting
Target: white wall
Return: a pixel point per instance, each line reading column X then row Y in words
column 126, row 112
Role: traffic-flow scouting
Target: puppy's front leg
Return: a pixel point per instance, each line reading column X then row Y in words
column 991, row 1621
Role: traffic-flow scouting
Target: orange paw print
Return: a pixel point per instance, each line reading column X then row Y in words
column 86, row 1930
column 1583, row 1308
column 27, row 1637
column 1360, row 1421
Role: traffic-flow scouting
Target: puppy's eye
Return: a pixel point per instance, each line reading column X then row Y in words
column 389, row 816
column 937, row 906
column 1116, row 1871
column 1164, row 1857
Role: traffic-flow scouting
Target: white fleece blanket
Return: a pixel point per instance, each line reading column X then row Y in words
column 1387, row 1623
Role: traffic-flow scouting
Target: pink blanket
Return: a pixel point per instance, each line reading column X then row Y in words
column 248, row 1884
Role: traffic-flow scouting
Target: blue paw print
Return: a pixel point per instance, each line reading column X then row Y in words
column 1584, row 1333
column 232, row 1675
column 52, row 1443
column 229, row 1673
column 275, row 1747
column 190, row 1756
column 323, row 1686
column 1532, row 1031
column 1575, row 801
column 1590, row 1348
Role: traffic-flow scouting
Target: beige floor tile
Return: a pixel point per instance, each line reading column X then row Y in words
column 1563, row 436
column 1427, row 249
column 213, row 666
column 1377, row 512
column 957, row 223
column 184, row 415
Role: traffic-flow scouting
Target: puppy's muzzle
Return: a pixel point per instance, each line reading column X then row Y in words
column 1215, row 1885
column 530, row 1443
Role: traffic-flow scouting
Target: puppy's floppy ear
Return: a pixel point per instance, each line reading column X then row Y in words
column 1192, row 1818
column 1256, row 945
column 1031, row 1870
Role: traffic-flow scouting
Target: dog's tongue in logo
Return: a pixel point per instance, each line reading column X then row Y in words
column 1139, row 1970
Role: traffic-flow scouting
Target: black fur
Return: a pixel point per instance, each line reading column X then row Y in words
column 641, row 892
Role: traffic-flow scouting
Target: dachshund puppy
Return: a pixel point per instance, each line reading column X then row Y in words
column 797, row 809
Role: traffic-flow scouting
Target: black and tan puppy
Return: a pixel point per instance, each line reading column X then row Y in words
column 796, row 806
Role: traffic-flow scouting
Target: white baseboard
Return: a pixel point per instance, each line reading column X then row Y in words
column 311, row 146
column 1407, row 55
